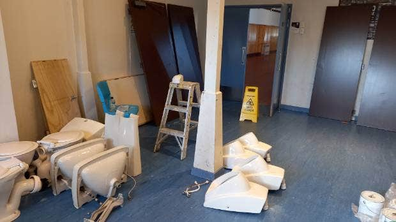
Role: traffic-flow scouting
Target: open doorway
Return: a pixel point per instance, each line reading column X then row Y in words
column 255, row 42
column 263, row 32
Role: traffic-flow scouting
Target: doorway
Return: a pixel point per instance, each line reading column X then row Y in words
column 255, row 42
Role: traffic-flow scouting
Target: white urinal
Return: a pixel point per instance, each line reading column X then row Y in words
column 13, row 186
column 233, row 192
column 258, row 171
column 250, row 142
column 76, row 131
column 100, row 174
column 234, row 154
column 63, row 162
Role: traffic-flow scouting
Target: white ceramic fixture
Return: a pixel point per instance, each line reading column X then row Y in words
column 258, row 171
column 250, row 142
column 100, row 174
column 13, row 185
column 63, row 162
column 76, row 131
column 23, row 151
column 234, row 154
column 233, row 192
column 122, row 131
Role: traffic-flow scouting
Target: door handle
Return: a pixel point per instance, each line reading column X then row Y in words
column 243, row 59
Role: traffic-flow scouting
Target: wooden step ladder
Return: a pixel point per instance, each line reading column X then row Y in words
column 185, row 109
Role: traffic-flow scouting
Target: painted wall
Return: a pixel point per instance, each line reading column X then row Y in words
column 8, row 126
column 112, row 48
column 264, row 17
column 303, row 49
column 35, row 30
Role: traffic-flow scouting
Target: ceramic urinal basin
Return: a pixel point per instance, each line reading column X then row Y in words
column 234, row 154
column 100, row 174
column 233, row 192
column 258, row 171
column 63, row 162
column 90, row 128
column 250, row 142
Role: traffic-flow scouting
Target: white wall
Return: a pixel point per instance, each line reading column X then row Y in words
column 264, row 17
column 112, row 48
column 35, row 30
column 303, row 49
column 8, row 126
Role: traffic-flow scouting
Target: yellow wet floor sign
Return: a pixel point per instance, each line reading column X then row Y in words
column 249, row 109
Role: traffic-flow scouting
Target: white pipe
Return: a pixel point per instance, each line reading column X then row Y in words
column 43, row 171
column 31, row 185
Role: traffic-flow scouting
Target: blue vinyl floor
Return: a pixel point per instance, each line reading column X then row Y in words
column 327, row 165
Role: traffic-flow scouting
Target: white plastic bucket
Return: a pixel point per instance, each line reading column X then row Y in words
column 371, row 203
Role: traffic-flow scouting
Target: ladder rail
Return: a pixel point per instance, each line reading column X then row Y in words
column 184, row 108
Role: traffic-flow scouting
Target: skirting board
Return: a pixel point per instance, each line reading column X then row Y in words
column 295, row 109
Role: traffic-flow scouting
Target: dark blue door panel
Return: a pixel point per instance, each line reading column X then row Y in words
column 236, row 23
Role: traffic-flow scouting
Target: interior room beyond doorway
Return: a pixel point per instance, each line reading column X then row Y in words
column 261, row 51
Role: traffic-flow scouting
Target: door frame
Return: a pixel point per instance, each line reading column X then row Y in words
column 285, row 47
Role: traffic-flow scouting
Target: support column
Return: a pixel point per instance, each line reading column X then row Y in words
column 209, row 147
column 84, row 76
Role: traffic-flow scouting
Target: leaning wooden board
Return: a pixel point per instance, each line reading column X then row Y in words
column 57, row 92
column 153, row 35
column 132, row 90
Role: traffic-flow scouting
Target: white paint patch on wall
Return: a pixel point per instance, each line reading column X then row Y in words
column 35, row 30
column 8, row 126
column 264, row 17
column 303, row 50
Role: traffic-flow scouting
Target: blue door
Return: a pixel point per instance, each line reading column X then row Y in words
column 236, row 24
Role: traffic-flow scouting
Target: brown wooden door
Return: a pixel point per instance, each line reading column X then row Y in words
column 378, row 107
column 339, row 63
column 153, row 35
column 57, row 92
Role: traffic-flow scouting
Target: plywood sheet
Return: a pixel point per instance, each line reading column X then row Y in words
column 185, row 42
column 379, row 97
column 340, row 60
column 151, row 25
column 132, row 90
column 57, row 92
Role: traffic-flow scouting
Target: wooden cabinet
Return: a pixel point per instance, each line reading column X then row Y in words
column 261, row 35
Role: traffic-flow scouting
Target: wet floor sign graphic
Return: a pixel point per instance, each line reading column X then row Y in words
column 249, row 109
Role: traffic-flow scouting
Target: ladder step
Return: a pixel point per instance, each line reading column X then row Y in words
column 172, row 132
column 184, row 103
column 176, row 108
column 183, row 85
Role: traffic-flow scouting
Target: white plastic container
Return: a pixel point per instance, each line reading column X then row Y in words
column 387, row 215
column 371, row 203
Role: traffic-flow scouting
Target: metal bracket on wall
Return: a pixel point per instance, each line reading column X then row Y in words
column 34, row 84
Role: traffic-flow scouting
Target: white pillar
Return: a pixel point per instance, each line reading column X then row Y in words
column 209, row 146
column 85, row 85
column 8, row 126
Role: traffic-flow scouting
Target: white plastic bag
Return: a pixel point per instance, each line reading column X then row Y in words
column 121, row 131
column 390, row 194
